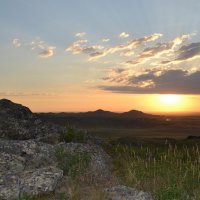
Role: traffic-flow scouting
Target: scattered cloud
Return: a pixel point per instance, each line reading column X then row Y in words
column 159, row 51
column 168, row 82
column 80, row 35
column 37, row 44
column 144, row 65
column 186, row 53
column 105, row 40
column 81, row 47
column 47, row 53
column 130, row 45
column 123, row 35
column 43, row 48
column 96, row 51
column 16, row 42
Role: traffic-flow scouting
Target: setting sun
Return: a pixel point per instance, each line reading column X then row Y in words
column 172, row 103
column 170, row 99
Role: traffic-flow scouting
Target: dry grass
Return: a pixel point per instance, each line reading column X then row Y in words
column 169, row 172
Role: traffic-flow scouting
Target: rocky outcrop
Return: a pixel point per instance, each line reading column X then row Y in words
column 24, row 166
column 127, row 193
column 18, row 122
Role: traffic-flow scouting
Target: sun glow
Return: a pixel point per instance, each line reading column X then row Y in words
column 170, row 99
column 171, row 103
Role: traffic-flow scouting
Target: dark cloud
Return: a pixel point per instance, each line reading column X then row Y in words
column 168, row 82
column 185, row 53
column 189, row 51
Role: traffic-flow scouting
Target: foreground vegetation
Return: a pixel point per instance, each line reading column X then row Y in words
column 169, row 171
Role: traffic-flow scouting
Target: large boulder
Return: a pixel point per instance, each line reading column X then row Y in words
column 18, row 122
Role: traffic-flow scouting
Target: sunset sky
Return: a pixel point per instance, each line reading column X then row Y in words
column 117, row 55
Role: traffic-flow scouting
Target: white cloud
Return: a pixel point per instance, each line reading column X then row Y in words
column 81, row 47
column 16, row 42
column 105, row 40
column 124, row 35
column 80, row 35
column 130, row 45
column 160, row 51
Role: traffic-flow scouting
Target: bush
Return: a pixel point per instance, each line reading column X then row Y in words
column 72, row 163
column 71, row 134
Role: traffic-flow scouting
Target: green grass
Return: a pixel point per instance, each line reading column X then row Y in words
column 72, row 164
column 25, row 197
column 169, row 172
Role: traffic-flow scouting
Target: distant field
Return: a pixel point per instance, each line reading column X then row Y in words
column 161, row 132
column 131, row 124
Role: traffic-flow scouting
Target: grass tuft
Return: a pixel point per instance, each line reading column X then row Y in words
column 72, row 164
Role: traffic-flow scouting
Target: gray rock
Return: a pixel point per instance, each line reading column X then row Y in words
column 31, row 182
column 40, row 181
column 18, row 122
column 11, row 162
column 24, row 168
column 35, row 154
column 9, row 186
column 126, row 193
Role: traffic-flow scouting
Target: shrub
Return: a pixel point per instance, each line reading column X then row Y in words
column 72, row 163
column 71, row 134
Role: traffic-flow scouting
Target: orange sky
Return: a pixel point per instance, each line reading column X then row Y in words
column 111, row 102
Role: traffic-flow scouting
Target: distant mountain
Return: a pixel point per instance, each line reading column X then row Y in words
column 135, row 114
column 104, row 119
column 100, row 112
